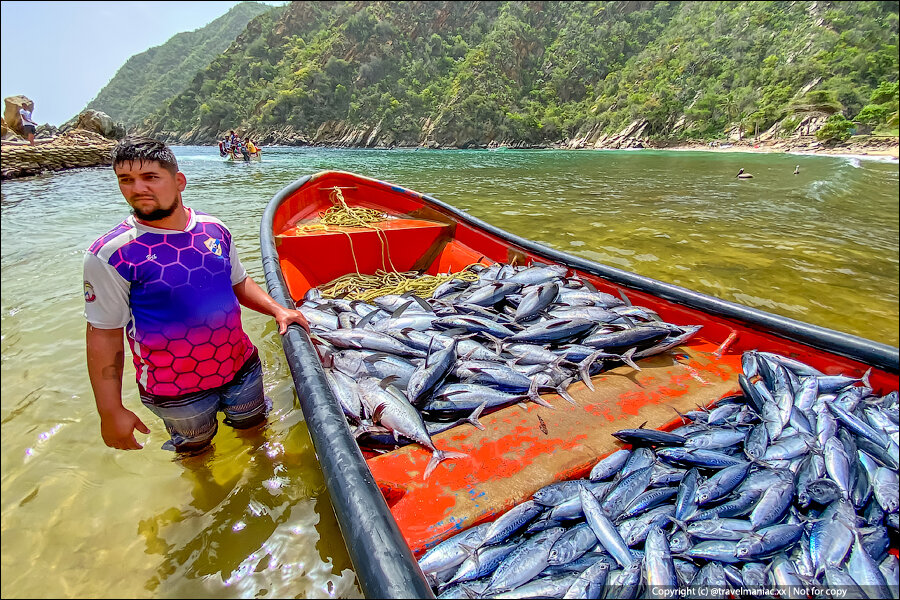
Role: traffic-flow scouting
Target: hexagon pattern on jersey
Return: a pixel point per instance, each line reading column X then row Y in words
column 187, row 321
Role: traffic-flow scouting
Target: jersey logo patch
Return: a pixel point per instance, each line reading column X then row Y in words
column 214, row 245
column 89, row 295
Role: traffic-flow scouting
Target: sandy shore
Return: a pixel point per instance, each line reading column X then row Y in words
column 875, row 148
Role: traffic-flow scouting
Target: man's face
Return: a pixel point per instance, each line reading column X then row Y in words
column 152, row 191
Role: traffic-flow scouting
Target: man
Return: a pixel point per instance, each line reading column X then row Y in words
column 170, row 279
column 29, row 127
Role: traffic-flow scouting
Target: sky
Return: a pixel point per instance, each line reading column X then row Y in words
column 61, row 54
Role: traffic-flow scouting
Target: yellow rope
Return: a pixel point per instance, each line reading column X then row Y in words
column 355, row 286
column 339, row 215
column 358, row 286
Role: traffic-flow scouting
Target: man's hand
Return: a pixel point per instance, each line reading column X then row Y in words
column 285, row 317
column 117, row 428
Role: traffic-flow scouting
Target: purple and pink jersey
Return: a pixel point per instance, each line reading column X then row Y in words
column 172, row 291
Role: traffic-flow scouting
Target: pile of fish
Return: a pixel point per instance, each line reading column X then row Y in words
column 790, row 486
column 406, row 368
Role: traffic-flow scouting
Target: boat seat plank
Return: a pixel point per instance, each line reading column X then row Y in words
column 524, row 449
column 322, row 255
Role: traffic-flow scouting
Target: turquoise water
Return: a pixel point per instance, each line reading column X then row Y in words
column 252, row 518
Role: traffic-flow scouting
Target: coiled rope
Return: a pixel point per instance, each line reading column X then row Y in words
column 359, row 286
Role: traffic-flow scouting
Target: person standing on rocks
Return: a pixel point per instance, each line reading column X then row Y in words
column 29, row 127
column 169, row 279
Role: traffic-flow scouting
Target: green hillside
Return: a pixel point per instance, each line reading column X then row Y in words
column 150, row 78
column 530, row 73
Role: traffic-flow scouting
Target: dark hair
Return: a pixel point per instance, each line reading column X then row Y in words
column 138, row 148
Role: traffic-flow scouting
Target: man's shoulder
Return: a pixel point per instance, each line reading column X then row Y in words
column 204, row 219
column 114, row 239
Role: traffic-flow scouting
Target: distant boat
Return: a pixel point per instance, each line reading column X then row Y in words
column 255, row 157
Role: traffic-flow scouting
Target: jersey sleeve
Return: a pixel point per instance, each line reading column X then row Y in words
column 238, row 272
column 105, row 294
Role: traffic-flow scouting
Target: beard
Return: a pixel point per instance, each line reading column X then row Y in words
column 156, row 214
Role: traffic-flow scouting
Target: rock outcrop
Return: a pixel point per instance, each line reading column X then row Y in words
column 73, row 149
column 97, row 122
column 11, row 117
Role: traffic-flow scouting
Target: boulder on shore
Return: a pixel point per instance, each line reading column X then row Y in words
column 11, row 117
column 97, row 122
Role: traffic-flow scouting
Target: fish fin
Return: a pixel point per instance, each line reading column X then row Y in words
column 561, row 390
column 372, row 358
column 455, row 331
column 428, row 353
column 364, row 320
column 679, row 524
column 588, row 285
column 624, row 297
column 535, row 397
column 523, row 406
column 473, row 418
column 684, row 418
column 642, row 425
column 865, row 378
column 400, row 310
column 422, row 302
column 584, row 368
column 627, row 359
column 384, row 383
column 498, row 343
column 439, row 456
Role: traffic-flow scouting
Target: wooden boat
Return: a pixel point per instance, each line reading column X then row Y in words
column 387, row 512
column 231, row 157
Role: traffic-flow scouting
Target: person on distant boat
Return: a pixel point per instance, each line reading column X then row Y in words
column 742, row 175
column 251, row 147
column 169, row 279
column 224, row 147
column 242, row 148
column 797, row 170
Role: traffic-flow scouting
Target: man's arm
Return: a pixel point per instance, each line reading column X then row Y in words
column 254, row 297
column 105, row 362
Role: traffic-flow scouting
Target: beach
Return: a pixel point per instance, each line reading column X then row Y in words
column 857, row 147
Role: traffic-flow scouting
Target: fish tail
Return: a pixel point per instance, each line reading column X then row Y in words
column 628, row 360
column 437, row 457
column 535, row 397
column 561, row 390
column 473, row 418
column 584, row 368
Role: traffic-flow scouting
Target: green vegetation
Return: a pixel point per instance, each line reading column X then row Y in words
column 836, row 128
column 150, row 78
column 466, row 73
column 882, row 110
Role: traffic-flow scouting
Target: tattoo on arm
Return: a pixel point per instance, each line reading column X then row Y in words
column 114, row 371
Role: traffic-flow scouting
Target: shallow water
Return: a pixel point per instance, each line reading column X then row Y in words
column 252, row 518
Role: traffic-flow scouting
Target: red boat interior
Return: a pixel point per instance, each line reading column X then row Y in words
column 522, row 448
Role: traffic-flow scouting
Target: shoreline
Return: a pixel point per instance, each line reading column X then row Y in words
column 883, row 149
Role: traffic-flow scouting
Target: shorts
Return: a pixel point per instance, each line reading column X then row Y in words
column 29, row 129
column 191, row 420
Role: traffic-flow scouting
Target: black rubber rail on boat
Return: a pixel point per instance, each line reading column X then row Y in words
column 384, row 564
